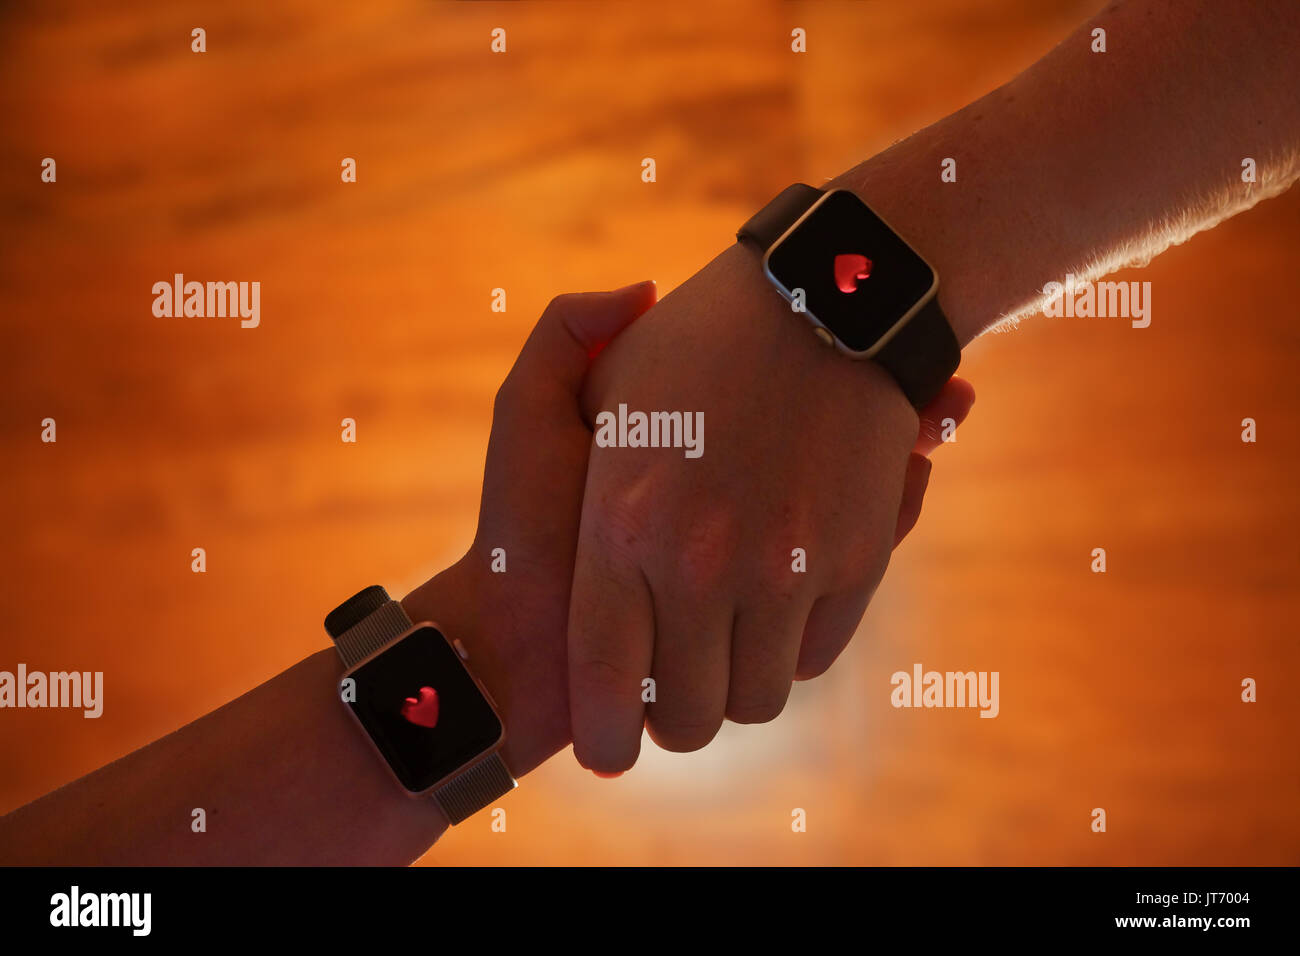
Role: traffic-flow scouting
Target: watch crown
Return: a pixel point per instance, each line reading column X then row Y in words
column 824, row 335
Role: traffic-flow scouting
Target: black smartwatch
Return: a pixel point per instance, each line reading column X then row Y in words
column 429, row 718
column 864, row 289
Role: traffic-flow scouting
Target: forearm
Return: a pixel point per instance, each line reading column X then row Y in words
column 282, row 774
column 1088, row 162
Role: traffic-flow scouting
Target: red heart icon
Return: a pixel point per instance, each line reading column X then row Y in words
column 849, row 268
column 422, row 712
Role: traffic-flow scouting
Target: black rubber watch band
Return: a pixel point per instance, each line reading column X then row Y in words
column 770, row 223
column 921, row 356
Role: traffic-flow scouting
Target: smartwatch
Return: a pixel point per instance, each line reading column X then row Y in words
column 864, row 289
column 432, row 721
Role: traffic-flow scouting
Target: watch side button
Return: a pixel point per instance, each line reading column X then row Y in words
column 460, row 649
column 824, row 335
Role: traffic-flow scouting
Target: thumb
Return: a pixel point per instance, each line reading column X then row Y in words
column 572, row 331
column 537, row 429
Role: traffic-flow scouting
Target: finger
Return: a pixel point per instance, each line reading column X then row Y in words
column 574, row 328
column 692, row 664
column 915, row 482
column 611, row 647
column 948, row 409
column 764, row 657
column 833, row 621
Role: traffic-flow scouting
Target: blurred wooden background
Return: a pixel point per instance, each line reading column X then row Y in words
column 1118, row 690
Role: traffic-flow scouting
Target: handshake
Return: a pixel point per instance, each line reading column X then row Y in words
column 610, row 588
column 616, row 586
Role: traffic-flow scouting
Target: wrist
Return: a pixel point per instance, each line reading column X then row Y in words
column 948, row 227
column 472, row 605
column 785, row 343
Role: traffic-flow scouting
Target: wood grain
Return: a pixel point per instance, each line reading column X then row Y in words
column 475, row 171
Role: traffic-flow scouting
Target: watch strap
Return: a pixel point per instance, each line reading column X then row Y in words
column 471, row 790
column 364, row 623
column 771, row 222
column 367, row 622
column 922, row 355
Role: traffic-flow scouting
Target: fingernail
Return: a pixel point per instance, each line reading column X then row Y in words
column 608, row 776
column 636, row 285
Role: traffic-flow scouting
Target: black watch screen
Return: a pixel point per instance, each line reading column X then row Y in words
column 859, row 279
column 423, row 710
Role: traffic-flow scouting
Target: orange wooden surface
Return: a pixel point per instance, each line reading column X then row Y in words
column 475, row 171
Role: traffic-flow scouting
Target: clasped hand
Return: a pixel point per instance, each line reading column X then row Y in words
column 720, row 579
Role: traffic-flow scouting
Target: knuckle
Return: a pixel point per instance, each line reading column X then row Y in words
column 704, row 555
column 777, row 578
column 560, row 303
column 620, row 524
column 785, row 554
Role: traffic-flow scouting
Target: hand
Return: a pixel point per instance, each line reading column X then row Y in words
column 685, row 567
column 513, row 623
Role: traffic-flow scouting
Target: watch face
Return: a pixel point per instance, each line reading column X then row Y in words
column 422, row 709
column 859, row 279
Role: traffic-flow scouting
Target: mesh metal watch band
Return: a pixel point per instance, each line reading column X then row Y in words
column 372, row 632
column 473, row 789
column 364, row 624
